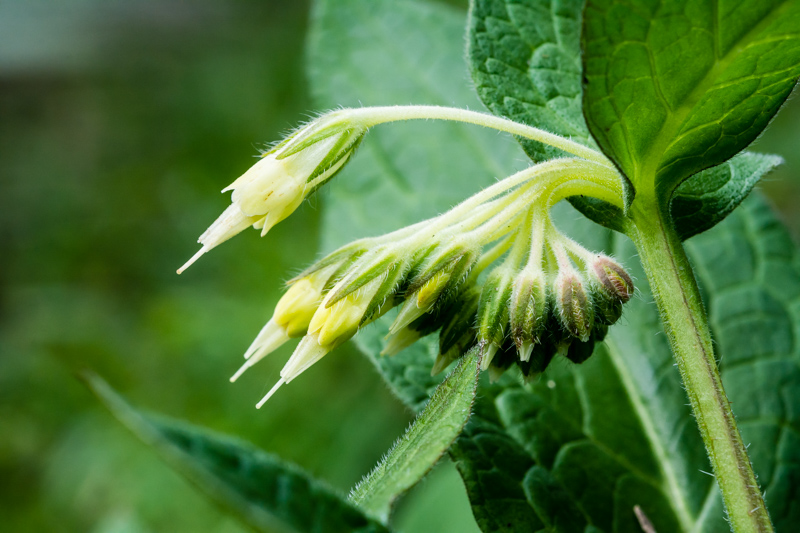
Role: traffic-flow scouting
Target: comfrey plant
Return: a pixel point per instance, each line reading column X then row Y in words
column 547, row 295
column 636, row 113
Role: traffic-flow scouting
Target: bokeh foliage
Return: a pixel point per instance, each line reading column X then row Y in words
column 119, row 124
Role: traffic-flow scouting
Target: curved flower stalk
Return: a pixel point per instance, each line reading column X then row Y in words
column 547, row 295
column 277, row 184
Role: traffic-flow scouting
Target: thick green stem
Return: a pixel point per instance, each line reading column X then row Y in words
column 685, row 321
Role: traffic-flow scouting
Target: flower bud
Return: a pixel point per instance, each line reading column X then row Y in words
column 579, row 351
column 613, row 278
column 442, row 277
column 607, row 310
column 290, row 319
column 335, row 324
column 574, row 308
column 399, row 341
column 383, row 262
column 493, row 313
column 294, row 310
column 458, row 328
column 527, row 311
column 541, row 355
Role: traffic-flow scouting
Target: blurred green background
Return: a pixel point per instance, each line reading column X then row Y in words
column 120, row 120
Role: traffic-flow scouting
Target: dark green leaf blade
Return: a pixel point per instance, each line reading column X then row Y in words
column 260, row 489
column 705, row 199
column 672, row 88
column 428, row 438
column 524, row 59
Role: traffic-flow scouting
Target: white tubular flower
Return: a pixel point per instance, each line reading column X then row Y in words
column 329, row 327
column 277, row 184
column 291, row 318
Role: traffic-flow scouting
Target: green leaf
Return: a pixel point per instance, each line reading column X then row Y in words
column 525, row 61
column 702, row 201
column 672, row 88
column 260, row 489
column 430, row 435
column 524, row 58
column 578, row 449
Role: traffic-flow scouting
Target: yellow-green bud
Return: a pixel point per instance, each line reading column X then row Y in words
column 575, row 309
column 493, row 313
column 335, row 324
column 295, row 308
column 276, row 185
column 527, row 310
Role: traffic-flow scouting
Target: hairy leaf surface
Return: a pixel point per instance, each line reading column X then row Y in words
column 263, row 491
column 576, row 450
column 674, row 87
column 428, row 438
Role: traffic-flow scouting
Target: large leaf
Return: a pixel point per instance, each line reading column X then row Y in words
column 580, row 448
column 671, row 88
column 524, row 57
column 428, row 438
column 260, row 489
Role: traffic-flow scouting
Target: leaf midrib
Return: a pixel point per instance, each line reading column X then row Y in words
column 671, row 487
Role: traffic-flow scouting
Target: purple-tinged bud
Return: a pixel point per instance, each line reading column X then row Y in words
column 613, row 278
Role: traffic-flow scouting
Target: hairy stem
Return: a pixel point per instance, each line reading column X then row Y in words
column 377, row 115
column 686, row 324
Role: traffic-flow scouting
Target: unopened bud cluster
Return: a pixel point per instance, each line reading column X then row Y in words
column 492, row 272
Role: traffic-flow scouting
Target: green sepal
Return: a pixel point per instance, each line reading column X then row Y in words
column 318, row 130
column 528, row 308
column 574, row 306
column 368, row 267
column 343, row 257
column 385, row 296
column 607, row 310
column 457, row 259
column 493, row 308
column 340, row 153
column 458, row 328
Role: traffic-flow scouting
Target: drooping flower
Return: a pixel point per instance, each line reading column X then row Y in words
column 522, row 313
column 277, row 184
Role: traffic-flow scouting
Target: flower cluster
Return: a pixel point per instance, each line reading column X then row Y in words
column 493, row 271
